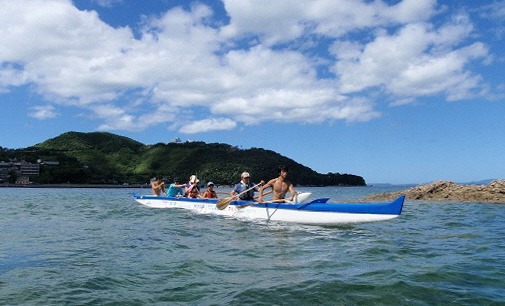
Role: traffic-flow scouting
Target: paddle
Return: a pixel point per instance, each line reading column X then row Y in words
column 268, row 192
column 298, row 198
column 272, row 201
column 223, row 203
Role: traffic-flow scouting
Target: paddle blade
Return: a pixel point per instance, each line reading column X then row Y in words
column 223, row 203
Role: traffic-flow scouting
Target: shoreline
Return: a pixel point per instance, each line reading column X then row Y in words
column 104, row 186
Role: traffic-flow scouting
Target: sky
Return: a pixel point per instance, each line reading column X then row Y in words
column 400, row 92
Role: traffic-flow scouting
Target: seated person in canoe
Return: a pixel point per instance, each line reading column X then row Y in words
column 280, row 186
column 175, row 189
column 158, row 186
column 194, row 193
column 245, row 183
column 210, row 193
column 193, row 183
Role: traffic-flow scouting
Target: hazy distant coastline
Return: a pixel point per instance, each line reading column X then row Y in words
column 72, row 186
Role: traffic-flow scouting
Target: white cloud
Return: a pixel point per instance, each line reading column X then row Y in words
column 178, row 63
column 207, row 125
column 63, row 51
column 418, row 60
column 494, row 10
column 10, row 76
column 108, row 3
column 285, row 20
column 118, row 118
column 495, row 14
column 411, row 11
column 43, row 112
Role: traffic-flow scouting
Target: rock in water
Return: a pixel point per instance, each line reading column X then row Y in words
column 494, row 192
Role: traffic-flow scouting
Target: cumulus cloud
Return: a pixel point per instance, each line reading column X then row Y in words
column 213, row 124
column 43, row 112
column 10, row 76
column 271, row 61
column 285, row 20
column 415, row 61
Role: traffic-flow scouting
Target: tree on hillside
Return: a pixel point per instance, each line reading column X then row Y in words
column 107, row 158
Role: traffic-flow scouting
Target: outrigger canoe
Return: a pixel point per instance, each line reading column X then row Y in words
column 318, row 211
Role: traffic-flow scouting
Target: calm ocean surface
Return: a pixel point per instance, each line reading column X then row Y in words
column 97, row 246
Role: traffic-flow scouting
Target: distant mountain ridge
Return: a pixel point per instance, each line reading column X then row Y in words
column 101, row 157
column 74, row 141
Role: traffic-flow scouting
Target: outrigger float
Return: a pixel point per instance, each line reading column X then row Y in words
column 318, row 211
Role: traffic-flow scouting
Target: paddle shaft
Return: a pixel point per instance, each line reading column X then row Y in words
column 247, row 190
column 268, row 192
column 222, row 204
column 273, row 201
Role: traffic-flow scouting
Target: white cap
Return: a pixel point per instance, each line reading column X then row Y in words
column 245, row 174
column 193, row 179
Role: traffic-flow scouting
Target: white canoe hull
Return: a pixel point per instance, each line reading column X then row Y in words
column 269, row 212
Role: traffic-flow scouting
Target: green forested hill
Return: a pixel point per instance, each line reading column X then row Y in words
column 107, row 158
column 104, row 142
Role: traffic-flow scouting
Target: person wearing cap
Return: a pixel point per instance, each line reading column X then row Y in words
column 210, row 193
column 158, row 186
column 175, row 189
column 245, row 183
column 280, row 186
column 193, row 183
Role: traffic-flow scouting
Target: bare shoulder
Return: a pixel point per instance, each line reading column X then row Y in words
column 271, row 182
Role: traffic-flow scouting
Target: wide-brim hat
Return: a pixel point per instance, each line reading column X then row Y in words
column 193, row 179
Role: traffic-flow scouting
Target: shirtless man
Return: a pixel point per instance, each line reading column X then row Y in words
column 280, row 186
column 158, row 186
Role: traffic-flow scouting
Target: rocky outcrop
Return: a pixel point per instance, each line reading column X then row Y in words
column 494, row 192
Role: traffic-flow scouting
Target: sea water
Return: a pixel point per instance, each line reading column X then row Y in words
column 98, row 246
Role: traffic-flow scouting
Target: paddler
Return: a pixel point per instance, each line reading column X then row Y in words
column 280, row 186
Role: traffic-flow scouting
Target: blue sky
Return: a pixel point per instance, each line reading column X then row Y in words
column 395, row 91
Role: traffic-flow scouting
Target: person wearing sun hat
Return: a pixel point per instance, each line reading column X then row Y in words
column 193, row 183
column 244, row 184
column 210, row 193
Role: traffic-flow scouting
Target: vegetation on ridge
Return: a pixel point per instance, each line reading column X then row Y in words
column 100, row 158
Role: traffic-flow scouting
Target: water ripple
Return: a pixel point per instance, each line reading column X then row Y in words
column 81, row 246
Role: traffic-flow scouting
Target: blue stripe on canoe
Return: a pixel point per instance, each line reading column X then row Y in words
column 392, row 208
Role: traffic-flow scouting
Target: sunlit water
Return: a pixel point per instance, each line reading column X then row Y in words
column 97, row 246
